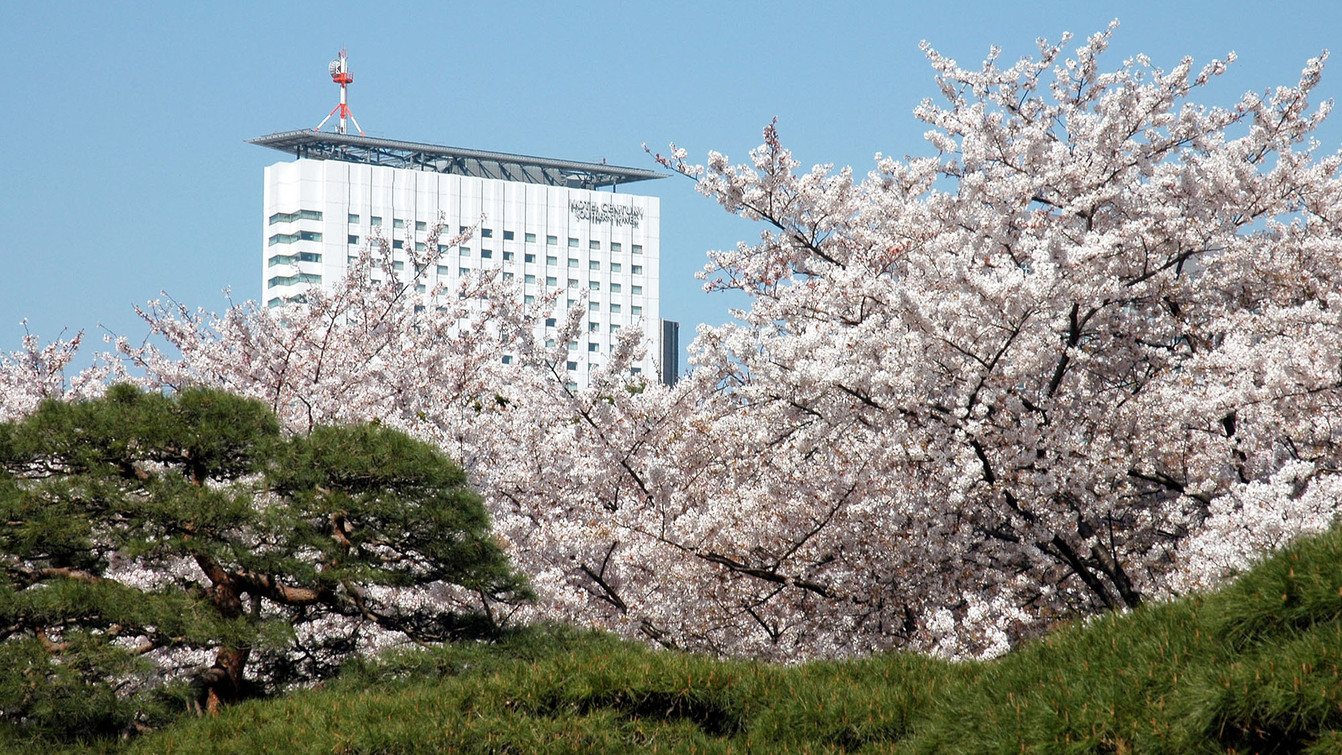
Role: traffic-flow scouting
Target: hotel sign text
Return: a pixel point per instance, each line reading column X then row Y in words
column 606, row 213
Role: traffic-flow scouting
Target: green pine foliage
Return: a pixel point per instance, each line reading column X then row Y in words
column 1252, row 668
column 140, row 527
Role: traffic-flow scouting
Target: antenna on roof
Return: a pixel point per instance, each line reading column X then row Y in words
column 340, row 74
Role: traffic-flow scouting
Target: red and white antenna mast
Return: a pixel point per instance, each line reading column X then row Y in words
column 341, row 75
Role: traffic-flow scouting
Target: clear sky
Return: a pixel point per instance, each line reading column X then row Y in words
column 124, row 171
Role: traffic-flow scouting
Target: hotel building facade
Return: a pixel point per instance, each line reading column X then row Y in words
column 554, row 226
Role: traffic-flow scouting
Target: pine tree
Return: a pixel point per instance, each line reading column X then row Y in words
column 150, row 540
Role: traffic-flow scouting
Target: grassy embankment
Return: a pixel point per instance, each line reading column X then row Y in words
column 1252, row 668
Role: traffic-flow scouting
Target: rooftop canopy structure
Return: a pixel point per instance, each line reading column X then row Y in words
column 392, row 153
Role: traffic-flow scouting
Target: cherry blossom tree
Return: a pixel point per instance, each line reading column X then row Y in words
column 983, row 390
column 36, row 372
column 1083, row 354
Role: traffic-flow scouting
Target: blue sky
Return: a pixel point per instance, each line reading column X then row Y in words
column 125, row 172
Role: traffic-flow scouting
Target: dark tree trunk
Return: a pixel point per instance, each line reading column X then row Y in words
column 223, row 682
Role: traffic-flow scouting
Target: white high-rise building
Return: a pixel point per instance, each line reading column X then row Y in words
column 546, row 224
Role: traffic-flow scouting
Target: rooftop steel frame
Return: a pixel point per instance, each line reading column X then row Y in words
column 317, row 145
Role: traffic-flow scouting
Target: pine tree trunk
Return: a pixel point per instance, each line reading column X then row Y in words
column 223, row 682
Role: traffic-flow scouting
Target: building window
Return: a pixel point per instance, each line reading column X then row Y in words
column 594, row 285
column 486, row 233
column 398, row 265
column 353, row 219
column 615, row 309
column 572, row 263
column 507, row 256
column 528, row 299
column 615, row 246
column 614, row 327
column 463, row 251
column 487, row 253
column 616, row 267
column 463, row 271
column 419, row 288
column 636, row 310
column 615, row 288
column 593, row 306
column 551, row 260
column 636, row 248
column 529, row 279
column 573, row 346
column 572, row 282
column 420, row 246
column 593, row 327
column 442, row 248
column 636, row 269
column 277, row 301
column 289, row 217
column 507, row 235
column 529, row 258
column 594, row 245
column 571, row 366
column 397, row 223
column 398, row 244
column 507, row 358
column 550, row 280
column 375, row 221
column 353, row 239
column 593, row 347
column 573, row 243
column 551, row 240
column 289, row 259
column 420, row 225
column 444, row 270
column 636, row 290
column 507, row 276
column 594, row 265
column 289, row 238
column 289, row 280
column 549, row 323
column 530, row 238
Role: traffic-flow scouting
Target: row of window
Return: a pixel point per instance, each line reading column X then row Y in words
column 593, row 265
column 289, row 280
column 289, row 217
column 466, row 251
column 553, row 282
column 289, row 259
column 573, row 366
column 486, row 233
column 289, row 238
column 592, row 346
column 375, row 221
column 277, row 301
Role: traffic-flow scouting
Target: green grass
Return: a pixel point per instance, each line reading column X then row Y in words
column 1252, row 668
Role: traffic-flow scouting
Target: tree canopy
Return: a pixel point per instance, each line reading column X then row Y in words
column 182, row 539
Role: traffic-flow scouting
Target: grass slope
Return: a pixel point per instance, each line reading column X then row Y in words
column 1252, row 668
